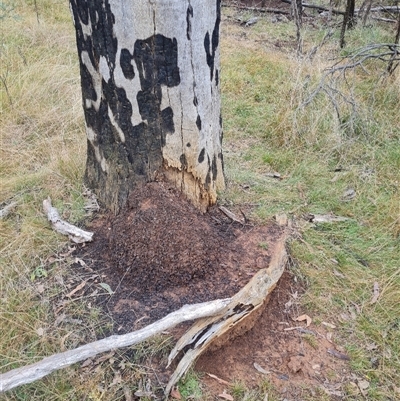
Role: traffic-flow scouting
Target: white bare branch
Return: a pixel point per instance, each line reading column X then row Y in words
column 75, row 234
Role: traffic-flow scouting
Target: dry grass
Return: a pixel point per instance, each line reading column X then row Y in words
column 319, row 156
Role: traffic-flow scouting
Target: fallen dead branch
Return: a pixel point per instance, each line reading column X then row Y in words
column 74, row 233
column 217, row 318
column 317, row 7
column 259, row 9
column 393, row 21
column 31, row 373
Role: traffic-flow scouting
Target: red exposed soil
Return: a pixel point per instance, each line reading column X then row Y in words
column 161, row 253
column 298, row 361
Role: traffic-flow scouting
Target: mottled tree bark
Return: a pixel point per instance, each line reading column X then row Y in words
column 150, row 88
column 349, row 20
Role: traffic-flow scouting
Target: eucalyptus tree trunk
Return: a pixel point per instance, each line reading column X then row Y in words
column 150, row 85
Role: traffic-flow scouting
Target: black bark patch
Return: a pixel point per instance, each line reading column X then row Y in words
column 156, row 60
column 167, row 118
column 211, row 46
column 214, row 168
column 210, row 58
column 208, row 180
column 201, row 155
column 195, row 101
column 188, row 145
column 83, row 13
column 183, row 161
column 217, row 77
column 88, row 91
column 126, row 64
column 189, row 15
column 220, row 120
column 198, row 122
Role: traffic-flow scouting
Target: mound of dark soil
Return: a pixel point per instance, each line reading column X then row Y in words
column 161, row 253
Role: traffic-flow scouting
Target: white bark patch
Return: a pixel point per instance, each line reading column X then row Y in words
column 104, row 69
column 116, row 126
column 87, row 29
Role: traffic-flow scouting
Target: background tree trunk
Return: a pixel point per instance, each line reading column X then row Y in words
column 150, row 87
column 349, row 20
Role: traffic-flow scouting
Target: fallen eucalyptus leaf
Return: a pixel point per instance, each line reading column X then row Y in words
column 338, row 274
column 338, row 354
column 330, row 325
column 260, row 369
column 107, row 288
column 176, row 394
column 302, row 318
column 76, row 289
column 226, row 396
column 218, row 379
column 363, row 384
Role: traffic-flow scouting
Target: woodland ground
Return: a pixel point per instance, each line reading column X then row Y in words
column 286, row 151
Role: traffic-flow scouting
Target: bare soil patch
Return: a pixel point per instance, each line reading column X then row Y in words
column 161, row 253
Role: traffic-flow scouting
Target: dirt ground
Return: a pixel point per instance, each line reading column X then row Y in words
column 161, row 253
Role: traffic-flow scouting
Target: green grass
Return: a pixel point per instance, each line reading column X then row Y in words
column 267, row 129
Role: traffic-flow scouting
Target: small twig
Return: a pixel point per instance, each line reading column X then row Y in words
column 36, row 11
column 338, row 355
column 3, row 79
